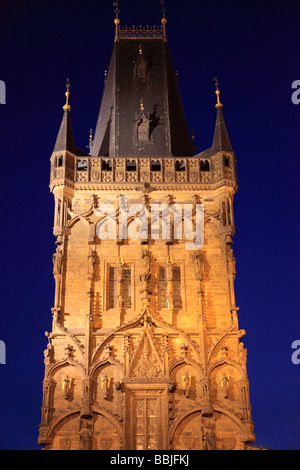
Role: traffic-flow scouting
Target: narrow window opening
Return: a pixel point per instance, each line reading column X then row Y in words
column 106, row 165
column 177, row 287
column 59, row 161
column 127, row 287
column 112, row 288
column 143, row 129
column 226, row 161
column 155, row 165
column 131, row 165
column 204, row 165
column 82, row 165
column 180, row 165
column 162, row 287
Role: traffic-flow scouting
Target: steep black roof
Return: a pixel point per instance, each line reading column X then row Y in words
column 141, row 69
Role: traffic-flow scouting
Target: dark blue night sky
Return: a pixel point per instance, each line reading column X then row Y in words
column 253, row 47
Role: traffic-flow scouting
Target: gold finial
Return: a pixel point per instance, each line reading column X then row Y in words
column 170, row 260
column 116, row 20
column 90, row 139
column 67, row 106
column 142, row 105
column 120, row 261
column 140, row 49
column 164, row 19
column 218, row 105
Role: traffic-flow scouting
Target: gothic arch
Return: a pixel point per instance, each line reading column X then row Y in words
column 221, row 340
column 181, row 418
column 79, row 218
column 158, row 323
column 113, row 421
column 188, row 362
column 228, row 362
column 53, row 368
column 60, row 419
column 109, row 361
column 244, row 434
column 212, row 219
column 235, row 419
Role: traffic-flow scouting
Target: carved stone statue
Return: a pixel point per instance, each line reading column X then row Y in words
column 69, row 351
column 231, row 262
column 225, row 385
column 66, row 386
column 146, row 275
column 57, row 260
column 85, row 437
column 242, row 354
column 198, row 265
column 208, row 436
column 105, row 385
column 48, row 353
column 186, row 383
column 91, row 263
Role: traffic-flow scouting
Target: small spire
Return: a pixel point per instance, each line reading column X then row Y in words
column 90, row 139
column 67, row 106
column 116, row 20
column 218, row 105
column 142, row 105
column 164, row 19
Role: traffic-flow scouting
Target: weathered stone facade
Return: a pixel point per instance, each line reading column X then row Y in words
column 145, row 350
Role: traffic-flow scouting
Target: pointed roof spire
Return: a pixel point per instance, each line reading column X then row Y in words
column 221, row 141
column 65, row 139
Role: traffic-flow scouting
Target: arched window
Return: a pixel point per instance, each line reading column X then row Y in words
column 106, row 165
column 126, row 287
column 226, row 161
column 162, row 287
column 82, row 165
column 131, row 165
column 59, row 161
column 143, row 126
column 204, row 165
column 180, row 165
column 155, row 165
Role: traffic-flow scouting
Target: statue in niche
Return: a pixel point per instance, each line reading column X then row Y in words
column 146, row 275
column 186, row 383
column 69, row 351
column 225, row 385
column 57, row 260
column 105, row 385
column 85, row 437
column 231, row 262
column 198, row 265
column 242, row 354
column 208, row 436
column 66, row 386
column 91, row 264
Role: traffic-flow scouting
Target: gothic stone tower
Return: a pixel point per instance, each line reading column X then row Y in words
column 145, row 350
